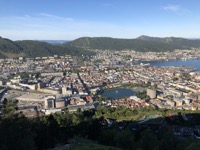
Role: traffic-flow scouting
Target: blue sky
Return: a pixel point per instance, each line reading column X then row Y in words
column 71, row 19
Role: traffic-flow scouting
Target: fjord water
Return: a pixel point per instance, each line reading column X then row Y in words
column 192, row 63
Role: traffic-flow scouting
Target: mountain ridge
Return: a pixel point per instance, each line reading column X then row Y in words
column 77, row 47
column 142, row 43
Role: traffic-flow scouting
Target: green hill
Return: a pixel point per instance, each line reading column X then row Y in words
column 176, row 41
column 8, row 47
column 142, row 43
column 27, row 48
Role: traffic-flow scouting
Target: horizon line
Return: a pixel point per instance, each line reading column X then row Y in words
column 190, row 38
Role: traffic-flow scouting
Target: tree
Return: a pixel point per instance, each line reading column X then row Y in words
column 175, row 79
column 148, row 140
column 141, row 95
column 124, row 139
column 16, row 133
column 147, row 99
column 37, row 75
column 9, row 107
column 24, row 75
column 193, row 146
column 94, row 129
column 64, row 73
column 167, row 141
column 107, row 137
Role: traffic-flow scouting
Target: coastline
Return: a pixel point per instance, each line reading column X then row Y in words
column 193, row 63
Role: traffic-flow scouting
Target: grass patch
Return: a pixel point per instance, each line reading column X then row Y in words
column 155, row 121
column 91, row 147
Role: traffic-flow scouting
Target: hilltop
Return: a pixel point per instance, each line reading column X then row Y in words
column 177, row 41
column 142, row 43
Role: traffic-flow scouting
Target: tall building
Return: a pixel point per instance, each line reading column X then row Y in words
column 64, row 91
column 49, row 102
column 60, row 103
column 151, row 93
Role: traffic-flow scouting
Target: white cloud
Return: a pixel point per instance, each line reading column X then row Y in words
column 53, row 16
column 176, row 9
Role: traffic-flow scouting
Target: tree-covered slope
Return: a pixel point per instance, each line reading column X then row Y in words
column 143, row 43
column 30, row 48
column 8, row 45
column 34, row 49
column 177, row 41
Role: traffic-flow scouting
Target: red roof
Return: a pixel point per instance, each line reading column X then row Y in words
column 89, row 98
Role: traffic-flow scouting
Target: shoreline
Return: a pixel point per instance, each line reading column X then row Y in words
column 117, row 89
column 134, row 89
column 166, row 60
column 176, row 63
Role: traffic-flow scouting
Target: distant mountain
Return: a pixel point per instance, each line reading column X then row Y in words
column 177, row 41
column 142, row 43
column 28, row 48
column 54, row 42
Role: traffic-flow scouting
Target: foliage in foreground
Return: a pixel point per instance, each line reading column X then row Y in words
column 92, row 147
column 19, row 133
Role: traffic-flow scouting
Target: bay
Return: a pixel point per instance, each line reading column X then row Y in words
column 193, row 63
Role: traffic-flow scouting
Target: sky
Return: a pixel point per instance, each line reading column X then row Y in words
column 72, row 19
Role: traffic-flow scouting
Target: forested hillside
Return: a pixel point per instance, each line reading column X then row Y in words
column 27, row 48
column 142, row 43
